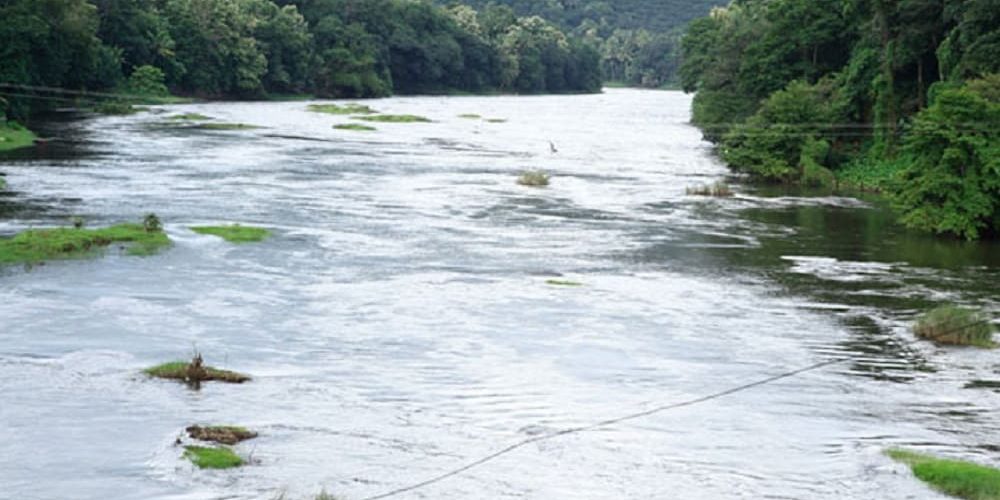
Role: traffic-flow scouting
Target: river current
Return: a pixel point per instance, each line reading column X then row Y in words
column 400, row 322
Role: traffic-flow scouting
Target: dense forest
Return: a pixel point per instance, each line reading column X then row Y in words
column 901, row 96
column 255, row 48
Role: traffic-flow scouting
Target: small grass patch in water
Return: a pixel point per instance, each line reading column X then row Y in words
column 470, row 116
column 954, row 477
column 235, row 233
column 192, row 117
column 212, row 457
column 14, row 136
column 534, row 178
column 195, row 372
column 337, row 109
column 227, row 126
column 39, row 245
column 357, row 127
column 221, row 434
column 496, row 120
column 956, row 326
column 563, row 283
column 393, row 119
column 718, row 190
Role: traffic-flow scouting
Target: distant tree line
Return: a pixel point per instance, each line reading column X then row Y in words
column 253, row 48
column 899, row 95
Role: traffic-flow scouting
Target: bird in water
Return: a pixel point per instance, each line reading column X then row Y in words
column 552, row 147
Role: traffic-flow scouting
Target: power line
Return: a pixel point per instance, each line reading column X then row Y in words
column 632, row 416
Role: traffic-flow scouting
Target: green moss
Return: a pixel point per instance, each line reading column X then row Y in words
column 37, row 245
column 227, row 126
column 953, row 477
column 470, row 116
column 534, row 178
column 955, row 326
column 14, row 136
column 212, row 458
column 195, row 372
column 567, row 283
column 346, row 109
column 195, row 117
column 354, row 126
column 235, row 233
column 394, row 118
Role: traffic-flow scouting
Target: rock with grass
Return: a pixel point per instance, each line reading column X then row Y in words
column 221, row 434
column 563, row 283
column 393, row 118
column 534, row 178
column 195, row 372
column 213, row 457
column 356, row 127
column 235, row 233
column 953, row 477
column 496, row 120
column 344, row 109
column 952, row 325
column 39, row 245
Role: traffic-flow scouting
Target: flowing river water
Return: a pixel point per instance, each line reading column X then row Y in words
column 399, row 322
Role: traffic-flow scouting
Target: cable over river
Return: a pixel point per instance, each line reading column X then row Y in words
column 406, row 317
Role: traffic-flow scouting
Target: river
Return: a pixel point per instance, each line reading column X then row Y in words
column 399, row 323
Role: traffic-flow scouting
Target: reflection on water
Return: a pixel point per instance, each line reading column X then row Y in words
column 399, row 322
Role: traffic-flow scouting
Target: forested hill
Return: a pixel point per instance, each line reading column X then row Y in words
column 254, row 48
column 900, row 95
column 657, row 16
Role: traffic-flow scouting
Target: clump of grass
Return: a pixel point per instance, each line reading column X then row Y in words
column 394, row 119
column 955, row 326
column 496, row 120
column 560, row 282
column 470, row 116
column 719, row 190
column 235, row 233
column 193, row 117
column 195, row 372
column 222, row 434
column 357, row 127
column 534, row 178
column 337, row 109
column 953, row 477
column 14, row 136
column 227, row 126
column 212, row 458
column 38, row 245
column 116, row 107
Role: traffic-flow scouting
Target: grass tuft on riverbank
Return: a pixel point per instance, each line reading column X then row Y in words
column 14, row 136
column 952, row 325
column 357, row 127
column 235, row 233
column 212, row 457
column 337, row 109
column 534, row 178
column 39, row 245
column 221, row 434
column 954, row 477
column 195, row 372
column 393, row 119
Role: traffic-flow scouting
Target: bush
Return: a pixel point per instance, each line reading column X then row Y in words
column 955, row 326
column 147, row 81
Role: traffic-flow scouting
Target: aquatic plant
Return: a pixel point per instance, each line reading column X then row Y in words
column 560, row 282
column 226, row 126
column 346, row 109
column 212, row 458
column 222, row 434
column 953, row 477
column 195, row 117
column 151, row 223
column 534, row 178
column 719, row 190
column 496, row 120
column 470, row 116
column 39, row 245
column 357, row 127
column 235, row 233
column 115, row 107
column 955, row 326
column 393, row 118
column 195, row 372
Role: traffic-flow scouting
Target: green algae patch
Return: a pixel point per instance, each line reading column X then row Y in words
column 470, row 116
column 563, row 283
column 393, row 119
column 190, row 117
column 14, row 136
column 357, row 127
column 39, row 245
column 221, row 434
column 496, row 120
column 957, row 478
column 956, row 326
column 345, row 109
column 534, row 178
column 195, row 372
column 227, row 126
column 235, row 233
column 212, row 457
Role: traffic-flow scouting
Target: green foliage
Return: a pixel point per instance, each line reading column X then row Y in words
column 235, row 233
column 195, row 372
column 38, row 245
column 193, row 117
column 956, row 326
column 953, row 477
column 212, row 458
column 147, row 81
column 14, row 136
column 394, row 118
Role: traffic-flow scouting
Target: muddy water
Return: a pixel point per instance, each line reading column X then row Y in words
column 399, row 322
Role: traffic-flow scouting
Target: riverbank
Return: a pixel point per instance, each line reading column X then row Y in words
column 14, row 136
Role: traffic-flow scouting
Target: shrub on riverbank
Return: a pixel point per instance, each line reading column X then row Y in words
column 955, row 326
column 953, row 477
column 14, row 136
column 38, row 245
column 212, row 458
column 235, row 233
